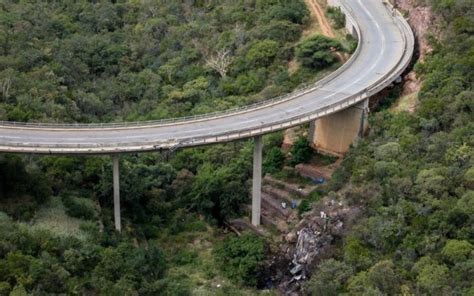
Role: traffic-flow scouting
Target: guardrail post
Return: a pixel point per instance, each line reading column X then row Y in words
column 257, row 181
column 116, row 181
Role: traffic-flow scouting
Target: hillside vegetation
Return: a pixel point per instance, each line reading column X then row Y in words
column 414, row 174
column 89, row 61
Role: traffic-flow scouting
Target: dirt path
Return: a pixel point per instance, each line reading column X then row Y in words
column 318, row 25
column 318, row 15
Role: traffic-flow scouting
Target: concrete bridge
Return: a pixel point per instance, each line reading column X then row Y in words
column 336, row 107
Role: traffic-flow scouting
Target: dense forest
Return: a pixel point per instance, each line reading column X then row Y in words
column 90, row 61
column 82, row 61
column 414, row 174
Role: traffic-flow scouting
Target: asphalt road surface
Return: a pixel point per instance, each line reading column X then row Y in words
column 382, row 55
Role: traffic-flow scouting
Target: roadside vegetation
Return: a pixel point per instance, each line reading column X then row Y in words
column 413, row 174
column 82, row 61
column 85, row 61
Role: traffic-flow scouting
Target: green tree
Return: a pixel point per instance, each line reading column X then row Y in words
column 457, row 250
column 384, row 278
column 330, row 278
column 337, row 16
column 240, row 257
column 218, row 192
column 380, row 279
column 356, row 254
column 469, row 178
column 317, row 52
column 301, row 151
column 262, row 53
column 432, row 278
column 273, row 161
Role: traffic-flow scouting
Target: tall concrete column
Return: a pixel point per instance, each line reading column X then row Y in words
column 312, row 131
column 364, row 118
column 257, row 181
column 116, row 177
column 336, row 132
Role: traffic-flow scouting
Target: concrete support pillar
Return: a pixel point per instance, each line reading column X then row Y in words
column 364, row 118
column 257, row 181
column 312, row 132
column 336, row 132
column 116, row 177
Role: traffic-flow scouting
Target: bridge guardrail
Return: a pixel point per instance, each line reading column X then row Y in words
column 360, row 96
column 206, row 116
column 274, row 126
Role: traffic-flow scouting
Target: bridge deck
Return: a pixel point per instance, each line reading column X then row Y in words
column 385, row 49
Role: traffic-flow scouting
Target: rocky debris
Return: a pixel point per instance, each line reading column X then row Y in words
column 291, row 237
column 279, row 195
column 310, row 240
column 282, row 226
column 269, row 218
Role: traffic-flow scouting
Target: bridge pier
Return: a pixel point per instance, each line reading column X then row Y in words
column 116, row 181
column 336, row 132
column 257, row 181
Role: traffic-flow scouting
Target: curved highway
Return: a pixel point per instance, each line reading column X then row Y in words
column 385, row 49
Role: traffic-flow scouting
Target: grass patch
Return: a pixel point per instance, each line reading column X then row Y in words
column 191, row 262
column 406, row 103
column 53, row 217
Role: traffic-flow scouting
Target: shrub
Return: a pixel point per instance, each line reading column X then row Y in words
column 456, row 250
column 273, row 161
column 329, row 278
column 294, row 11
column 469, row 178
column 306, row 204
column 301, row 151
column 352, row 43
column 262, row 53
column 338, row 17
column 240, row 258
column 185, row 257
column 317, row 52
column 81, row 208
column 388, row 151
